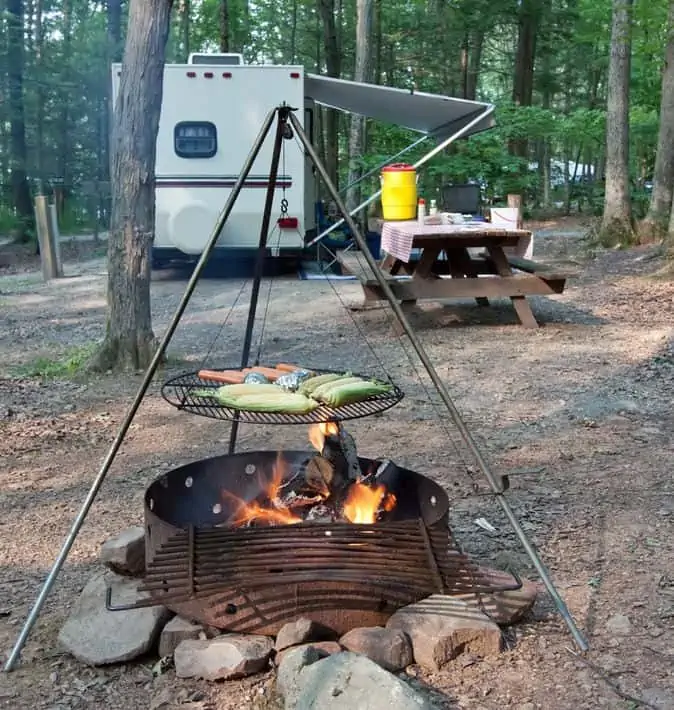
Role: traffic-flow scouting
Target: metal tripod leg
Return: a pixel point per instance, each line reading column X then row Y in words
column 131, row 413
column 281, row 126
column 442, row 390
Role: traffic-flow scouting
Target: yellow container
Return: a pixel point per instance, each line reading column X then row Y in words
column 399, row 192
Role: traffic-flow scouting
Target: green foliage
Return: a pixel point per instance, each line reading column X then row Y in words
column 71, row 363
column 9, row 222
column 426, row 43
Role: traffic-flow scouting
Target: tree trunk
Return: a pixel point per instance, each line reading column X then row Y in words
column 20, row 191
column 362, row 73
column 377, row 21
column 39, row 93
column 616, row 225
column 129, row 341
column 333, row 66
column 523, row 81
column 66, row 73
column 114, row 12
column 293, row 33
column 224, row 26
column 463, row 65
column 474, row 61
column 654, row 227
column 185, row 29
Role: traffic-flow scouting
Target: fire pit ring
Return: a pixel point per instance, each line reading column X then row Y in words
column 255, row 579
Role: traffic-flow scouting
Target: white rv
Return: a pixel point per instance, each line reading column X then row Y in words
column 213, row 108
column 211, row 115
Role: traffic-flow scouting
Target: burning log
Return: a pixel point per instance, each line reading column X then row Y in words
column 329, row 488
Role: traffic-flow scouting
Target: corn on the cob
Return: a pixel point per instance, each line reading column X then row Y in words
column 286, row 402
column 321, row 391
column 353, row 392
column 247, row 388
column 314, row 383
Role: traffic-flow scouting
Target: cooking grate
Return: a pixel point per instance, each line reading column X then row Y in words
column 242, row 576
column 179, row 392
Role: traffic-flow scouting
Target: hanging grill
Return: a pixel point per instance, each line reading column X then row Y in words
column 181, row 392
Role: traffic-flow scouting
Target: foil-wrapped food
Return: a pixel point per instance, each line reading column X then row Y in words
column 255, row 378
column 292, row 380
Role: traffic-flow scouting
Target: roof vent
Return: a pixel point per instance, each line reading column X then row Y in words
column 216, row 59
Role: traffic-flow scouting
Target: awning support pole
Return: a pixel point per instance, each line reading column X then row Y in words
column 424, row 159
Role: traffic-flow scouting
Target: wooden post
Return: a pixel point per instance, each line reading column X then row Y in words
column 515, row 201
column 56, row 238
column 47, row 236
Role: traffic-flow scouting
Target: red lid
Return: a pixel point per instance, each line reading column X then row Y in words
column 398, row 168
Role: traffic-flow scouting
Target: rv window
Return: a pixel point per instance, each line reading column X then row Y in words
column 195, row 139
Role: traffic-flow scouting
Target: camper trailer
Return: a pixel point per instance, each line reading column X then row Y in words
column 212, row 111
column 213, row 108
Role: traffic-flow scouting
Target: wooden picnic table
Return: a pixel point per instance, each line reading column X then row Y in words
column 462, row 273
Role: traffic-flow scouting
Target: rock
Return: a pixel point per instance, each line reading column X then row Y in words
column 97, row 636
column 389, row 648
column 163, row 700
column 125, row 553
column 226, row 657
column 293, row 660
column 441, row 627
column 348, row 680
column 658, row 698
column 300, row 631
column 619, row 625
column 177, row 630
column 324, row 648
column 504, row 608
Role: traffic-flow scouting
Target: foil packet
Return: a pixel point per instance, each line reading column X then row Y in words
column 256, row 378
column 292, row 380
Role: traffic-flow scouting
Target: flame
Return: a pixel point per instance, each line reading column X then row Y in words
column 318, row 432
column 277, row 513
column 364, row 502
column 254, row 511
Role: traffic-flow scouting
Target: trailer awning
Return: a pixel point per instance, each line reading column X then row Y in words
column 432, row 114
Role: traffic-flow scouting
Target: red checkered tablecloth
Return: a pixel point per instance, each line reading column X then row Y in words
column 397, row 237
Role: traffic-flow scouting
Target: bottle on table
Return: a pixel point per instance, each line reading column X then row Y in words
column 421, row 210
column 434, row 207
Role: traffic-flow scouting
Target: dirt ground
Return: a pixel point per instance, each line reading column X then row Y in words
column 581, row 408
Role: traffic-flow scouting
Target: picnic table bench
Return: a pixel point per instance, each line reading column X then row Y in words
column 492, row 272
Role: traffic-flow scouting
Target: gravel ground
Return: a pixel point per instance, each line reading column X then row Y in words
column 581, row 405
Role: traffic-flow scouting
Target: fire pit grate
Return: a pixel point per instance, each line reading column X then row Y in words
column 180, row 392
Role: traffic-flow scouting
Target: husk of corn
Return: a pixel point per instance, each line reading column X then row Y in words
column 350, row 392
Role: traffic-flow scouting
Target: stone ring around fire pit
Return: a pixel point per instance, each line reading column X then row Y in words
column 233, row 542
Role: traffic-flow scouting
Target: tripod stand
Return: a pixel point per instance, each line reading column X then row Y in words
column 286, row 124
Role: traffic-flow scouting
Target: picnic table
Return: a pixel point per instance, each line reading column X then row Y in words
column 471, row 260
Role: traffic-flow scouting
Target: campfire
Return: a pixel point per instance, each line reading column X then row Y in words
column 245, row 542
column 331, row 487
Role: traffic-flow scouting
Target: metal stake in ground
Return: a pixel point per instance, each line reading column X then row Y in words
column 442, row 390
column 128, row 419
column 281, row 128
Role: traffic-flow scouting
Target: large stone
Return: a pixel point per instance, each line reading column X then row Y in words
column 348, row 681
column 504, row 608
column 125, row 553
column 292, row 662
column 301, row 630
column 441, row 627
column 324, row 648
column 97, row 636
column 176, row 631
column 223, row 658
column 390, row 648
